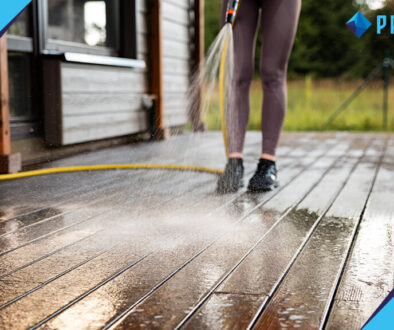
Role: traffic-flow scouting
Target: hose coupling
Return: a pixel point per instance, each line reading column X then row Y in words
column 231, row 11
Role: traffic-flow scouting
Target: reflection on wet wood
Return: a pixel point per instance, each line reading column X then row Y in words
column 159, row 249
column 316, row 271
column 369, row 274
column 279, row 247
column 253, row 228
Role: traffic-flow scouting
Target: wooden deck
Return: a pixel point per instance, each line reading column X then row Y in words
column 159, row 249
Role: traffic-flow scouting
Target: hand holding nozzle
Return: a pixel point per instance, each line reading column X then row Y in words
column 231, row 11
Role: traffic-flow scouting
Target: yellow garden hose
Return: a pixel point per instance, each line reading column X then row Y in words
column 231, row 12
column 108, row 167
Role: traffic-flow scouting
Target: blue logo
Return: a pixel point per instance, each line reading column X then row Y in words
column 382, row 318
column 381, row 23
column 358, row 24
column 9, row 11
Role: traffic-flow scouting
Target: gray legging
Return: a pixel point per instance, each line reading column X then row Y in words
column 279, row 20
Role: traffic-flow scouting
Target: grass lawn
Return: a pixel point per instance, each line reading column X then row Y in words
column 310, row 103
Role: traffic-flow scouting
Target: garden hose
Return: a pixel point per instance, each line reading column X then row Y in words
column 108, row 167
column 230, row 19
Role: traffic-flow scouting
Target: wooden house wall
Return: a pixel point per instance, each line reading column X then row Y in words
column 176, row 60
column 101, row 102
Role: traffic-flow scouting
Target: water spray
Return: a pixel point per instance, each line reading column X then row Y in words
column 231, row 13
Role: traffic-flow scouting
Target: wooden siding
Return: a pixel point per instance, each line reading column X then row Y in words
column 177, row 59
column 101, row 102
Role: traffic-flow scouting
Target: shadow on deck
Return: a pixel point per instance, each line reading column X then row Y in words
column 161, row 249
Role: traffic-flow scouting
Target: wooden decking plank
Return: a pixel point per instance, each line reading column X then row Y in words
column 90, row 275
column 179, row 239
column 369, row 274
column 46, row 189
column 115, row 176
column 199, row 180
column 113, row 198
column 295, row 158
column 48, row 298
column 144, row 152
column 167, row 252
column 19, row 233
column 44, row 256
column 130, row 203
column 174, row 295
column 78, row 202
column 60, row 181
column 249, row 285
column 146, row 179
column 316, row 270
column 213, row 202
column 306, row 156
column 51, row 262
column 50, row 253
column 19, row 284
column 13, row 257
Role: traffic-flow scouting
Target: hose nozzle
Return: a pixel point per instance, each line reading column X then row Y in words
column 231, row 11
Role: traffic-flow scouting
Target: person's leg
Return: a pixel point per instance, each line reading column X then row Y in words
column 244, row 31
column 237, row 116
column 279, row 20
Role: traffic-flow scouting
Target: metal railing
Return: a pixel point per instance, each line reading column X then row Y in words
column 384, row 67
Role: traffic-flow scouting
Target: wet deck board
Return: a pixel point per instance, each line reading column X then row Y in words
column 159, row 249
column 316, row 271
column 369, row 273
column 238, row 240
column 252, row 282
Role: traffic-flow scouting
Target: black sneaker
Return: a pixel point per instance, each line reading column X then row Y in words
column 231, row 180
column 265, row 178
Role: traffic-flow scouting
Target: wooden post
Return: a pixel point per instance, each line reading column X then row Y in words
column 196, row 117
column 156, row 68
column 9, row 163
column 199, row 31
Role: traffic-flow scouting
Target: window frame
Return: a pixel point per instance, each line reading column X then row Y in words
column 22, row 43
column 127, row 35
column 29, row 125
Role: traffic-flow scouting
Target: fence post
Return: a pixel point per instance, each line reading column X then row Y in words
column 386, row 79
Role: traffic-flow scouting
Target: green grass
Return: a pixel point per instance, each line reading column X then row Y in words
column 310, row 103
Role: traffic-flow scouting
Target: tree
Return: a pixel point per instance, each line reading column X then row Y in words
column 324, row 46
column 212, row 15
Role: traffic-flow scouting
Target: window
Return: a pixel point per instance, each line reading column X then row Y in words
column 46, row 27
column 19, row 71
column 23, row 109
column 86, row 26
